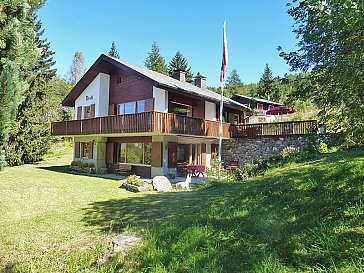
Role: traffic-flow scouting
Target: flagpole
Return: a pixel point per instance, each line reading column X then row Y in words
column 222, row 80
column 221, row 125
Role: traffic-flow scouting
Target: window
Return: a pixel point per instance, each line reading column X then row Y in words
column 236, row 119
column 121, row 109
column 130, row 108
column 118, row 80
column 260, row 106
column 180, row 109
column 141, row 106
column 87, row 112
column 135, row 153
column 85, row 149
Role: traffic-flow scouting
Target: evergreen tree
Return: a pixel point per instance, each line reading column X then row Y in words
column 233, row 84
column 155, row 60
column 178, row 62
column 77, row 68
column 113, row 52
column 30, row 136
column 17, row 56
column 265, row 87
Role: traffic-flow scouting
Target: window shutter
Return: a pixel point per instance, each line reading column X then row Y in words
column 77, row 149
column 79, row 112
column 203, row 154
column 157, row 154
column 112, row 109
column 172, row 154
column 110, row 153
column 92, row 110
column 90, row 150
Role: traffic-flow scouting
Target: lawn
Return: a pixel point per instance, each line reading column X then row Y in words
column 303, row 217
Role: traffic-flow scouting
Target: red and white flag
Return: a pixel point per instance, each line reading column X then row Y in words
column 224, row 56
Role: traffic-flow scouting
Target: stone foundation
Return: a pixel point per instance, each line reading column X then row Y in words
column 246, row 150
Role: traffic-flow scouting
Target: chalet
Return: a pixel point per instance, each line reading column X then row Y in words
column 126, row 115
column 259, row 107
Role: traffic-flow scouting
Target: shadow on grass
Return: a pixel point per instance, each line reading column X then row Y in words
column 65, row 169
column 297, row 219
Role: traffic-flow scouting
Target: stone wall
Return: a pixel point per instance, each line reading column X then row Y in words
column 246, row 150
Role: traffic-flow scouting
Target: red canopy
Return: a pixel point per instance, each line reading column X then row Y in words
column 281, row 110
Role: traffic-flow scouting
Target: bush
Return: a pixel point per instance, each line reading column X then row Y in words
column 213, row 172
column 134, row 180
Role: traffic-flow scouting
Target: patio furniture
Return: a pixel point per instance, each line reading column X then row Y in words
column 197, row 170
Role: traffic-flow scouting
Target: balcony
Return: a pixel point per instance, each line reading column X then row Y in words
column 274, row 129
column 152, row 122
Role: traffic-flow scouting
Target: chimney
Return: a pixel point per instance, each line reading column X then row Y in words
column 180, row 75
column 200, row 81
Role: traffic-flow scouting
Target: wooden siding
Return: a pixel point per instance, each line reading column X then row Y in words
column 131, row 88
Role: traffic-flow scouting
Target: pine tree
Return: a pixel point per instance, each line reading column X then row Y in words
column 113, row 52
column 179, row 62
column 18, row 55
column 155, row 60
column 233, row 83
column 77, row 68
column 30, row 136
column 266, row 83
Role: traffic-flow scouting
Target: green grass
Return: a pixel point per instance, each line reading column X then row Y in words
column 303, row 217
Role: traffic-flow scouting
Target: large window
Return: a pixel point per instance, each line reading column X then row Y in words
column 131, row 107
column 180, row 109
column 135, row 153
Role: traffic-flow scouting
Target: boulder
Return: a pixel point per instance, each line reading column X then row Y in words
column 123, row 243
column 161, row 183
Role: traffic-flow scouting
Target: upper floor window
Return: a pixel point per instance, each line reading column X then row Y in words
column 180, row 109
column 131, row 107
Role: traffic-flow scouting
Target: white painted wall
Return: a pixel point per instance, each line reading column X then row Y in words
column 210, row 110
column 104, row 96
column 97, row 92
column 208, row 155
column 160, row 100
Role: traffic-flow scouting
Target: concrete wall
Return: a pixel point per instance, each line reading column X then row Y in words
column 246, row 150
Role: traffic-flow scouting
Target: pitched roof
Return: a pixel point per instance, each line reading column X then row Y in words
column 257, row 99
column 102, row 64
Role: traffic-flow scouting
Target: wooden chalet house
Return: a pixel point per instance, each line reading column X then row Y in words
column 259, row 107
column 156, row 124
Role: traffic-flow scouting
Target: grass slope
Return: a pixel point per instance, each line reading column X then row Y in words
column 304, row 217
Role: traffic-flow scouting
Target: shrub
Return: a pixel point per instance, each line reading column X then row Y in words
column 74, row 163
column 213, row 172
column 134, row 180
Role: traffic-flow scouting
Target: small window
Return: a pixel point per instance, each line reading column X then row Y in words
column 130, row 107
column 87, row 112
column 141, row 106
column 118, row 80
column 85, row 149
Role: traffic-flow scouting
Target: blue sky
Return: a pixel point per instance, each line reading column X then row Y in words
column 254, row 31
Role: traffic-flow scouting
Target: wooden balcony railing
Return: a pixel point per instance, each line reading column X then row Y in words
column 155, row 122
column 292, row 128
